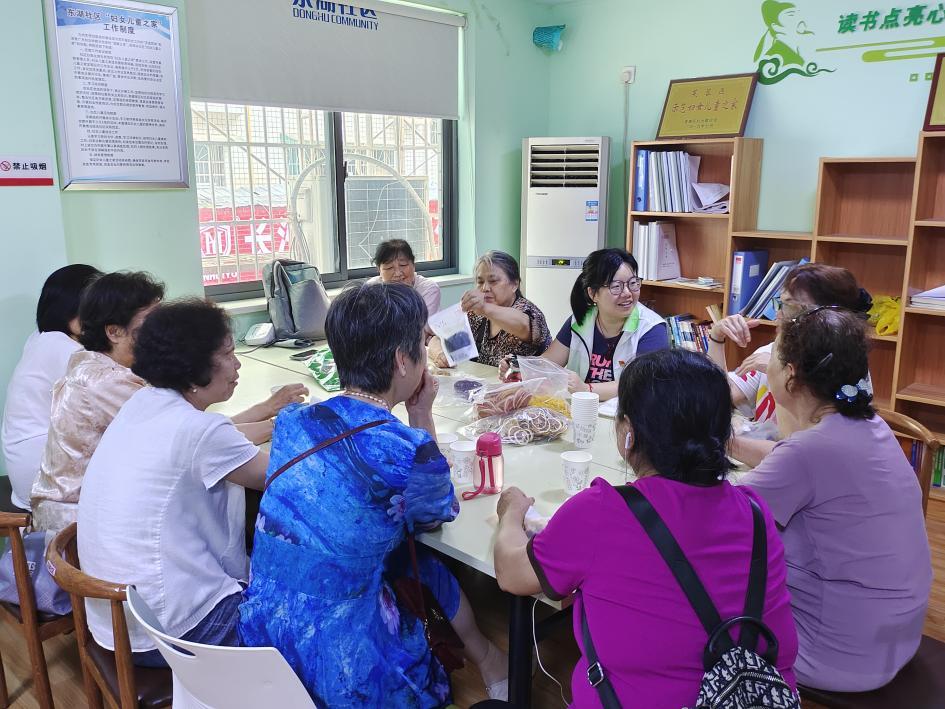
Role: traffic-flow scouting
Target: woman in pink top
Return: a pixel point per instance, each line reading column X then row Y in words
column 646, row 633
column 850, row 507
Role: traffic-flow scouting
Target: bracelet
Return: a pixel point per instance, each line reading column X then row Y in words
column 718, row 342
column 590, row 388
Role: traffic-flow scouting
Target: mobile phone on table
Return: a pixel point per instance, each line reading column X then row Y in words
column 299, row 356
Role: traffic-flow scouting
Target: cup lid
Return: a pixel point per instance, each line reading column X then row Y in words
column 489, row 444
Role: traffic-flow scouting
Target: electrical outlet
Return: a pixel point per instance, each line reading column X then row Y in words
column 628, row 74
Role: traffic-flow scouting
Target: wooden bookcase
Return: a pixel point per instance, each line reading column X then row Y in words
column 703, row 240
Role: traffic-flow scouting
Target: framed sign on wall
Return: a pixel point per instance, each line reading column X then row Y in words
column 709, row 107
column 935, row 113
column 117, row 94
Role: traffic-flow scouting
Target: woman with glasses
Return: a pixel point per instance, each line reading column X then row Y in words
column 807, row 285
column 503, row 321
column 609, row 325
column 849, row 507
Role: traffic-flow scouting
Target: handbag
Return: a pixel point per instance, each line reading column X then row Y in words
column 419, row 600
column 296, row 299
column 50, row 598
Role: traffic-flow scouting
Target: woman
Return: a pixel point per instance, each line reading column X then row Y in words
column 45, row 357
column 849, row 505
column 155, row 509
column 806, row 285
column 330, row 537
column 609, row 326
column 672, row 428
column 396, row 264
column 502, row 320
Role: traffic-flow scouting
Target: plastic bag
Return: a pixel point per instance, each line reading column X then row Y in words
column 456, row 388
column 884, row 315
column 499, row 399
column 519, row 428
column 553, row 392
column 452, row 327
column 323, row 369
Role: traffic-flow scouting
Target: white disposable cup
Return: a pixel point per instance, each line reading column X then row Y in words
column 444, row 441
column 576, row 469
column 464, row 461
column 584, row 433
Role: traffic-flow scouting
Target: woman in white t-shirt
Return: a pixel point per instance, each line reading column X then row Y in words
column 45, row 357
column 156, row 510
column 806, row 286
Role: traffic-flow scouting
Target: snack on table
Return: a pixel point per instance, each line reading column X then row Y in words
column 464, row 388
column 503, row 401
column 555, row 403
column 521, row 427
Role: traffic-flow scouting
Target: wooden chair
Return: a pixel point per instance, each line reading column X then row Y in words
column 919, row 685
column 35, row 626
column 104, row 672
column 904, row 426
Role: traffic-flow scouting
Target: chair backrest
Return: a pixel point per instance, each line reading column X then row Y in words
column 902, row 425
column 62, row 556
column 231, row 677
column 10, row 525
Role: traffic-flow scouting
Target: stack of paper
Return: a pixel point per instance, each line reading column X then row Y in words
column 708, row 198
column 654, row 248
column 933, row 299
column 760, row 305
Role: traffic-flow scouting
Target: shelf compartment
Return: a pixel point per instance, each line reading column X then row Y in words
column 778, row 249
column 922, row 359
column 929, row 394
column 775, row 235
column 882, row 362
column 679, row 301
column 702, row 245
column 930, row 199
column 932, row 417
column 927, row 265
column 877, row 268
column 869, row 240
column 865, row 197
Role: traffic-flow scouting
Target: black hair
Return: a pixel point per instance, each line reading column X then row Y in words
column 599, row 270
column 114, row 299
column 828, row 349
column 679, row 405
column 392, row 248
column 176, row 343
column 828, row 285
column 365, row 327
column 59, row 300
column 506, row 263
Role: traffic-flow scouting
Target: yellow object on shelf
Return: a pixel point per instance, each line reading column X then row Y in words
column 884, row 315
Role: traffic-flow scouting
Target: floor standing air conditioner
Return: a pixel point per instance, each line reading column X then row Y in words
column 564, row 216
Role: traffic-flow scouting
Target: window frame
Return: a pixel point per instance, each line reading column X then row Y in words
column 449, row 225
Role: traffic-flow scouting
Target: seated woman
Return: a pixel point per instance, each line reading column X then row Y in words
column 503, row 321
column 155, row 509
column 98, row 382
column 849, row 505
column 806, row 285
column 330, row 537
column 43, row 362
column 609, row 326
column 396, row 264
column 672, row 428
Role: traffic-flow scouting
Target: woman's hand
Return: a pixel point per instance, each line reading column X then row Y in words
column 421, row 402
column 735, row 328
column 473, row 302
column 514, row 502
column 504, row 365
column 289, row 394
column 757, row 361
column 436, row 354
column 575, row 383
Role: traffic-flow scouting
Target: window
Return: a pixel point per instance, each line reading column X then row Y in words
column 320, row 186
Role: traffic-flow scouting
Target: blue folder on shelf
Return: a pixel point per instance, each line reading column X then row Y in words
column 639, row 183
column 748, row 270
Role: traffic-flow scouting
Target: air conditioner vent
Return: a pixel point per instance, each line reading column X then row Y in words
column 564, row 166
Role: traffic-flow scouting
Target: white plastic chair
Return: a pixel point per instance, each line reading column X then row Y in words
column 213, row 677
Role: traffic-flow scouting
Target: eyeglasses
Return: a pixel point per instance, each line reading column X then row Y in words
column 616, row 287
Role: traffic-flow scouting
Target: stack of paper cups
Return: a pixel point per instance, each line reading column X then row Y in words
column 584, row 407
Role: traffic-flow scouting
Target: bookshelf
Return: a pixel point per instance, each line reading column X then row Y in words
column 703, row 240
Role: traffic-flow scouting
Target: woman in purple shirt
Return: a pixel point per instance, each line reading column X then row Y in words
column 647, row 636
column 849, row 506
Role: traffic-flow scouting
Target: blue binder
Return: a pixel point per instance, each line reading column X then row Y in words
column 640, row 183
column 748, row 270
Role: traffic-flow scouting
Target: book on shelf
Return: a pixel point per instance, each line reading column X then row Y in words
column 748, row 269
column 937, row 466
column 933, row 299
column 663, row 182
column 654, row 248
column 761, row 304
column 714, row 311
column 688, row 333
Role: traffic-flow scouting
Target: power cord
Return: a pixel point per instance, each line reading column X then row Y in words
column 538, row 656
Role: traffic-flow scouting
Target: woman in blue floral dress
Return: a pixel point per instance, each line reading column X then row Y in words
column 330, row 536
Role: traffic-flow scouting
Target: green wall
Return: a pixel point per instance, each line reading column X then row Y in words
column 859, row 109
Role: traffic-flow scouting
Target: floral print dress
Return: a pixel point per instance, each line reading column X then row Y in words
column 329, row 542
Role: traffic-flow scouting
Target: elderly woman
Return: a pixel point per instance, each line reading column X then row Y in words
column 99, row 381
column 45, row 358
column 330, row 537
column 849, row 505
column 673, row 425
column 503, row 321
column 396, row 264
column 156, row 510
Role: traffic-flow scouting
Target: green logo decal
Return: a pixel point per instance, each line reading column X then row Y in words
column 779, row 53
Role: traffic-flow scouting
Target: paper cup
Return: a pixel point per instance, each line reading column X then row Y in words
column 444, row 441
column 464, row 461
column 576, row 469
column 584, row 433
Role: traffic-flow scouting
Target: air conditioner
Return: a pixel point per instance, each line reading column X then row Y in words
column 564, row 216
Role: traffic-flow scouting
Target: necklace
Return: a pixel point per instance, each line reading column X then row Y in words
column 375, row 399
column 607, row 335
